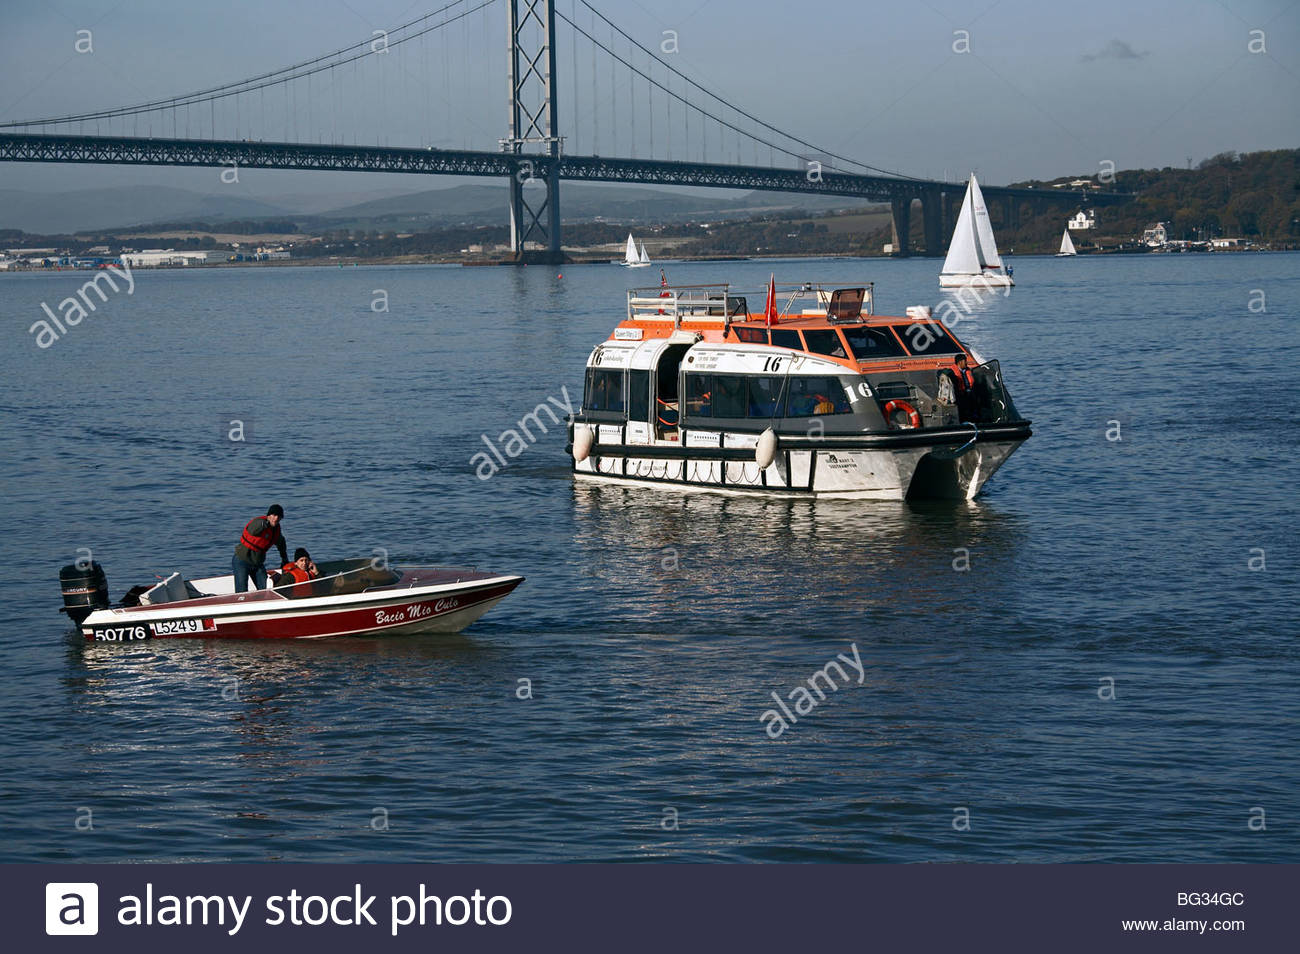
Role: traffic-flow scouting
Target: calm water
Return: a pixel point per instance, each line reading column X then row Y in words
column 654, row 626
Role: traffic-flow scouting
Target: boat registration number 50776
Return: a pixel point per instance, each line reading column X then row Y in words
column 121, row 634
column 162, row 627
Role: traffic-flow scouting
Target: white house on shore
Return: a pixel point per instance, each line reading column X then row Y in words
column 1155, row 235
column 1083, row 220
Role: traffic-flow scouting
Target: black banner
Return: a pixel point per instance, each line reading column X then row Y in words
column 659, row 908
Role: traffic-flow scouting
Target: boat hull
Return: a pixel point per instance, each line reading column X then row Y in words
column 264, row 614
column 951, row 464
column 990, row 280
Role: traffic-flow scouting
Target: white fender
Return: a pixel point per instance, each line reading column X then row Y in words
column 582, row 441
column 765, row 450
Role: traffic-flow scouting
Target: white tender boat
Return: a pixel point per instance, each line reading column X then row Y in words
column 819, row 398
column 973, row 257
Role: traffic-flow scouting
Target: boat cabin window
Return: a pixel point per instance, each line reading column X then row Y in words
column 815, row 396
column 699, row 395
column 787, row 339
column 751, row 335
column 737, row 307
column 869, row 344
column 928, row 338
column 638, row 395
column 604, row 390
column 764, row 396
column 730, row 395
column 825, row 342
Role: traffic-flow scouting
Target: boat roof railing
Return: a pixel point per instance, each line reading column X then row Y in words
column 696, row 302
column 837, row 302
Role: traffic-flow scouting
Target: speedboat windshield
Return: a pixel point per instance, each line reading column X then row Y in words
column 341, row 577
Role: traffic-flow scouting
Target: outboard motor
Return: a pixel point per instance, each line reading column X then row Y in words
column 84, row 590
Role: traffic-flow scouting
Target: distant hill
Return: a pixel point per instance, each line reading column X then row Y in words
column 482, row 204
column 468, row 205
column 1254, row 195
column 87, row 209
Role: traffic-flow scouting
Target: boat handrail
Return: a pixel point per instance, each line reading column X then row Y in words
column 411, row 584
column 719, row 303
column 438, row 566
column 697, row 302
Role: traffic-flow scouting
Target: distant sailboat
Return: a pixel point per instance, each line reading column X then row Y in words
column 1067, row 246
column 973, row 255
column 633, row 259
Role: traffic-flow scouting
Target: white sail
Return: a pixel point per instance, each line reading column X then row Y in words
column 1067, row 244
column 630, row 257
column 963, row 252
column 645, row 259
column 973, row 254
column 983, row 227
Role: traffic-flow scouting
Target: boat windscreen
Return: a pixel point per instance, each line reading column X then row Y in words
column 340, row 577
column 824, row 342
column 926, row 339
column 869, row 344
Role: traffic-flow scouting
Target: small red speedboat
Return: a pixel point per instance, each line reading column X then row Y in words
column 349, row 598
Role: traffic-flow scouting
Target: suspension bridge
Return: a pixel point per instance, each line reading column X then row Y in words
column 655, row 124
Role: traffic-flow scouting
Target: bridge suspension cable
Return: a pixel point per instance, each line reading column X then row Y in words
column 274, row 78
column 751, row 117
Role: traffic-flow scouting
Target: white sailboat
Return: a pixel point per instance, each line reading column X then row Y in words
column 1067, row 246
column 632, row 258
column 973, row 255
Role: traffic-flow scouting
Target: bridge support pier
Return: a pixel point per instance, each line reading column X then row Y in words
column 533, row 123
column 1010, row 213
column 932, row 217
column 902, row 210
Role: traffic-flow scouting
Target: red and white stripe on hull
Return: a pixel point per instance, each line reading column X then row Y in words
column 413, row 608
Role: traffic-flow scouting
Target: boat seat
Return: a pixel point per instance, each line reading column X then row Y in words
column 171, row 590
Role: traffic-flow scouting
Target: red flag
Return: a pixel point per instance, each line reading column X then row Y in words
column 771, row 301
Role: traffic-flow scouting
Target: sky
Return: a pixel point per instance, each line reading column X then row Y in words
column 1011, row 89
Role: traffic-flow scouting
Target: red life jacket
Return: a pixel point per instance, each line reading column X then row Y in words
column 300, row 578
column 964, row 377
column 261, row 542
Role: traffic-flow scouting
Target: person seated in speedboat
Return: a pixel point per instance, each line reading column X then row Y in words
column 299, row 573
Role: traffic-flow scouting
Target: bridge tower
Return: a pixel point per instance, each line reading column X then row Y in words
column 534, row 132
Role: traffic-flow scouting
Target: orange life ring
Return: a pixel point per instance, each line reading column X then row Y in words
column 913, row 419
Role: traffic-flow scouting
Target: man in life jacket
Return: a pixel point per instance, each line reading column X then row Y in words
column 260, row 534
column 964, row 379
column 299, row 573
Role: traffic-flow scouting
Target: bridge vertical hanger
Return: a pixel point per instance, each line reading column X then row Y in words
column 533, row 124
